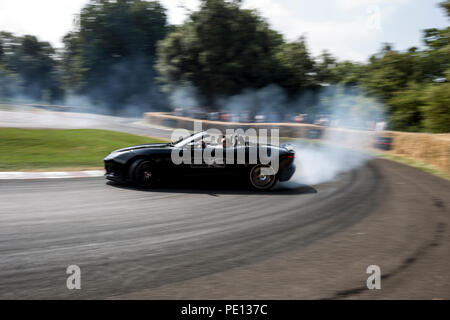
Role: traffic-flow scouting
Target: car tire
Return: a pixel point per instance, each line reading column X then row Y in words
column 260, row 181
column 142, row 174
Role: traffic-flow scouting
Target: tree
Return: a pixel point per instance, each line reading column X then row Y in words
column 326, row 68
column 7, row 42
column 406, row 110
column 221, row 50
column 436, row 38
column 33, row 62
column 32, row 65
column 386, row 74
column 437, row 108
column 110, row 55
column 348, row 73
column 446, row 6
column 297, row 67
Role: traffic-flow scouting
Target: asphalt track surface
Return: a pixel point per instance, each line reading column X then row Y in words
column 209, row 241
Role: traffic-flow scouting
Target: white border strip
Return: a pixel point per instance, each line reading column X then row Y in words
column 17, row 175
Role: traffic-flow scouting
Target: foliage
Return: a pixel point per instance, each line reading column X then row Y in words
column 406, row 109
column 413, row 84
column 297, row 66
column 110, row 56
column 436, row 110
column 31, row 62
column 123, row 53
column 220, row 50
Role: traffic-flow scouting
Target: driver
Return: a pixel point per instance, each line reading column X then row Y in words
column 225, row 142
column 240, row 140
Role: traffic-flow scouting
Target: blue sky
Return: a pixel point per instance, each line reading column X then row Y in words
column 350, row 29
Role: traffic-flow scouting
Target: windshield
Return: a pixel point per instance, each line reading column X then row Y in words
column 188, row 140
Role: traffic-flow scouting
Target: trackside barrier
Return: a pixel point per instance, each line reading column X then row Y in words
column 433, row 149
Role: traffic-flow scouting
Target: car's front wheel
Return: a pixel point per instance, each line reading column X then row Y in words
column 262, row 177
column 142, row 174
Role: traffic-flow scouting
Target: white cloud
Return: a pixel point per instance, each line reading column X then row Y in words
column 48, row 19
column 342, row 37
column 178, row 10
column 358, row 4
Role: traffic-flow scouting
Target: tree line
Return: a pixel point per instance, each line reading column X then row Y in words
column 124, row 52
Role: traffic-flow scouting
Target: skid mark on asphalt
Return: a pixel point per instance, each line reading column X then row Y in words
column 438, row 203
column 438, row 233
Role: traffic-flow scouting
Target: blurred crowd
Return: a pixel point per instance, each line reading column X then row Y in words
column 321, row 119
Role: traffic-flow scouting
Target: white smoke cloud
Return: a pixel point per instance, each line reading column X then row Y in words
column 342, row 109
column 322, row 163
column 342, row 148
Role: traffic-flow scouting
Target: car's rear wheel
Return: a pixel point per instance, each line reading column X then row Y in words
column 142, row 174
column 262, row 177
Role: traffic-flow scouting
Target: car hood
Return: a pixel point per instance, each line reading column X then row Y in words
column 143, row 146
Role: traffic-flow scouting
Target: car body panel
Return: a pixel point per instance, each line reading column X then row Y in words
column 118, row 162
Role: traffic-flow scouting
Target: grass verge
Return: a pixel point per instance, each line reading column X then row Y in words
column 77, row 149
column 414, row 163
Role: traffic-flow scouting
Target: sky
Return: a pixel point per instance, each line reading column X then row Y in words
column 349, row 29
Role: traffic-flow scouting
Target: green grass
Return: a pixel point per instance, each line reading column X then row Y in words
column 38, row 149
column 416, row 164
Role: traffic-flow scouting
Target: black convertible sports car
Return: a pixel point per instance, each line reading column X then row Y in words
column 146, row 165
